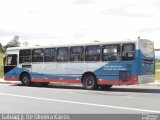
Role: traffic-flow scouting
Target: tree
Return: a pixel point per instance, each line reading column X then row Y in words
column 0, row 47
column 14, row 42
column 3, row 49
column 25, row 43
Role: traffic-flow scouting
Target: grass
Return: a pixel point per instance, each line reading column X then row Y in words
column 157, row 76
column 1, row 65
column 158, row 72
column 158, row 66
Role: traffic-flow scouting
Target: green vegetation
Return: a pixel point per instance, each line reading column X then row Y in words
column 157, row 75
column 157, row 72
column 158, row 66
column 1, row 65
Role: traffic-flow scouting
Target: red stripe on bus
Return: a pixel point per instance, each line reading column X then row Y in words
column 134, row 80
column 11, row 79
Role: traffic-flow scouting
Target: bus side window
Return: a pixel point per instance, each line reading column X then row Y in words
column 92, row 53
column 50, row 55
column 37, row 55
column 62, row 54
column 76, row 54
column 111, row 53
column 128, row 51
column 25, row 56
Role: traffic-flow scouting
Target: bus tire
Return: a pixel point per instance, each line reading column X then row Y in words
column 89, row 82
column 105, row 87
column 25, row 79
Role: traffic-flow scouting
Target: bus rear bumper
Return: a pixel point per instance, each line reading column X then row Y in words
column 142, row 79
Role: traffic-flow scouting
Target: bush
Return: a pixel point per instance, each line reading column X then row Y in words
column 1, row 65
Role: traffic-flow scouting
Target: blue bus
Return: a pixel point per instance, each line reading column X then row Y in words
column 94, row 65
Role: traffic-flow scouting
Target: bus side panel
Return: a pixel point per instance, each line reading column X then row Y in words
column 117, row 73
column 10, row 73
column 14, row 74
column 62, row 72
column 113, row 73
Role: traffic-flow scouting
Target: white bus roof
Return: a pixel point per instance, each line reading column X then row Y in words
column 82, row 44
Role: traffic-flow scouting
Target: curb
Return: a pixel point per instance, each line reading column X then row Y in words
column 10, row 82
column 156, row 83
column 151, row 84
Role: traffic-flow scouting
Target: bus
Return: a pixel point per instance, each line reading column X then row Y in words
column 93, row 65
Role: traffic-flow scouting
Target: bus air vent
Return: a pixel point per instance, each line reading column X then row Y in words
column 124, row 75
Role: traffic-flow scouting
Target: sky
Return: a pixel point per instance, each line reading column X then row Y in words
column 49, row 22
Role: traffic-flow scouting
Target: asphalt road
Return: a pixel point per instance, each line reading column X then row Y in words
column 15, row 98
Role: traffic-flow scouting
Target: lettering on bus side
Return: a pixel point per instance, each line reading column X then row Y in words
column 114, row 67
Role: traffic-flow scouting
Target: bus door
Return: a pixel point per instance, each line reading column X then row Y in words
column 10, row 62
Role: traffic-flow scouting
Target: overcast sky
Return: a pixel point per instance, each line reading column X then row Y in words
column 47, row 22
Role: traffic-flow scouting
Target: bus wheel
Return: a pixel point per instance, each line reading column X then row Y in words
column 25, row 79
column 105, row 87
column 89, row 82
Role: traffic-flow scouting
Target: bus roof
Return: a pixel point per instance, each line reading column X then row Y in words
column 82, row 44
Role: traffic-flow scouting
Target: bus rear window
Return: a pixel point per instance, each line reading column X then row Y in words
column 128, row 51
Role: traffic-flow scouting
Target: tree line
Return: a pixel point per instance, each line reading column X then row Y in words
column 13, row 43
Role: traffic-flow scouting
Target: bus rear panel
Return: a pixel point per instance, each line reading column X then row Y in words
column 146, row 62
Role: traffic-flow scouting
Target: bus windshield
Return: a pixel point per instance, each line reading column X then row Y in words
column 10, row 60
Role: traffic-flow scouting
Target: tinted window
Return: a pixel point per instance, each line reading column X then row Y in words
column 37, row 55
column 92, row 53
column 49, row 55
column 111, row 53
column 128, row 52
column 62, row 54
column 110, row 49
column 11, row 60
column 76, row 53
column 25, row 56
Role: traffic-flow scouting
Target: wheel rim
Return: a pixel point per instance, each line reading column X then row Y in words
column 25, row 80
column 89, row 82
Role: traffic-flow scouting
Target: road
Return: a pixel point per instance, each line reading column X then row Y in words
column 15, row 98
